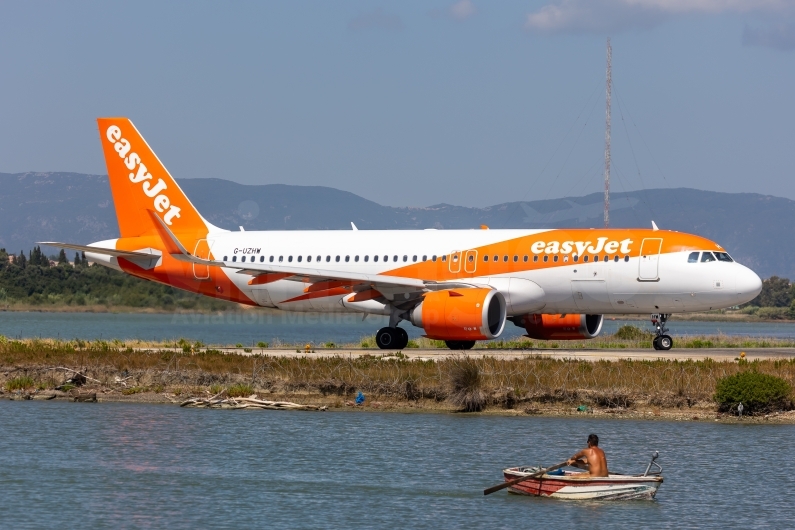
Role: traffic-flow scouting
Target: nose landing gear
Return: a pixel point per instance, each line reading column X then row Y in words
column 392, row 338
column 662, row 341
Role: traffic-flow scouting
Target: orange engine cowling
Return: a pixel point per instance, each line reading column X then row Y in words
column 560, row 327
column 461, row 314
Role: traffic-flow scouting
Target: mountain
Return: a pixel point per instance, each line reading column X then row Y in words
column 758, row 230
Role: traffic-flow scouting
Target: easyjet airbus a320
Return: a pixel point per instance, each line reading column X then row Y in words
column 459, row 286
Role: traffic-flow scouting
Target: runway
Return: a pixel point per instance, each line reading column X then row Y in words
column 700, row 354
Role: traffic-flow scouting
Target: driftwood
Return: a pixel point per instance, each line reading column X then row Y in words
column 240, row 403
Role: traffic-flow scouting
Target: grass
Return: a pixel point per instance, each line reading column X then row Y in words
column 22, row 382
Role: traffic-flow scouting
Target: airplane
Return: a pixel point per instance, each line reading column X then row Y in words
column 459, row 286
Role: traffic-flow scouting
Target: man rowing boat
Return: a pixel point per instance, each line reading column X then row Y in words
column 592, row 458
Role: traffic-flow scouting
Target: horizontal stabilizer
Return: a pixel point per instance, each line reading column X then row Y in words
column 146, row 258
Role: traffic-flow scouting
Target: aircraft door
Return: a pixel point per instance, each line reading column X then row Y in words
column 202, row 250
column 471, row 261
column 649, row 260
column 454, row 264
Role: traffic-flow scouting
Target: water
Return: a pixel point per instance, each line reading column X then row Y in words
column 247, row 327
column 159, row 466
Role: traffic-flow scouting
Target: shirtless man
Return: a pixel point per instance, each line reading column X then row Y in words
column 593, row 457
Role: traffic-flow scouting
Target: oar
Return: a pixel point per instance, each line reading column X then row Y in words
column 510, row 483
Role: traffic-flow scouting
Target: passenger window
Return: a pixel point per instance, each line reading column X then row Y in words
column 576, row 258
column 308, row 259
column 356, row 259
column 707, row 256
column 271, row 259
column 281, row 259
column 414, row 259
column 405, row 258
column 424, row 257
column 328, row 258
column 347, row 259
column 386, row 258
column 555, row 259
column 261, row 259
column 234, row 258
column 337, row 259
column 375, row 258
column 607, row 258
column 505, row 259
column 585, row 259
column 626, row 258
column 485, row 258
column 515, row 258
column 722, row 256
column 366, row 259
column 243, row 259
column 615, row 259
column 290, row 259
column 693, row 257
column 394, row 258
column 525, row 259
column 300, row 258
column 319, row 258
column 471, row 258
column 546, row 258
column 444, row 258
column 433, row 258
column 225, row 257
column 535, row 259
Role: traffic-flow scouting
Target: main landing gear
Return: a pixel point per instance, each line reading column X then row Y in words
column 662, row 341
column 392, row 338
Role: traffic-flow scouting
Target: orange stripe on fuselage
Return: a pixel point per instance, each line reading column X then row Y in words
column 179, row 274
column 523, row 246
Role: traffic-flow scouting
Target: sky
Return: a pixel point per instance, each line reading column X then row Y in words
column 411, row 103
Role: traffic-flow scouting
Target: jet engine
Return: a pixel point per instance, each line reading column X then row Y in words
column 560, row 327
column 461, row 314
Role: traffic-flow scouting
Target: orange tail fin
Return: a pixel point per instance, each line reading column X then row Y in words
column 140, row 183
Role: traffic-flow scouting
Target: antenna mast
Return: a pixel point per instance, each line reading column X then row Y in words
column 607, row 131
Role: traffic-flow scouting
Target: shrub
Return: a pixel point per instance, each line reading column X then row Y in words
column 466, row 385
column 262, row 344
column 757, row 392
column 773, row 313
column 629, row 332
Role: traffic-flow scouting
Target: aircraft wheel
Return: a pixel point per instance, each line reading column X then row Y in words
column 665, row 342
column 460, row 344
column 387, row 338
column 656, row 343
column 402, row 338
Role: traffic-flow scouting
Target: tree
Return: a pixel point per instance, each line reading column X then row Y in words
column 776, row 292
column 62, row 259
column 77, row 260
column 21, row 261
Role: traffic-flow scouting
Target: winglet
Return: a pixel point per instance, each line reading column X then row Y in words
column 353, row 226
column 654, row 226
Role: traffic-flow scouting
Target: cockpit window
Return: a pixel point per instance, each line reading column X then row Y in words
column 707, row 256
column 693, row 257
column 722, row 256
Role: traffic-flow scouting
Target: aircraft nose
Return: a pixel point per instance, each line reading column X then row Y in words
column 747, row 283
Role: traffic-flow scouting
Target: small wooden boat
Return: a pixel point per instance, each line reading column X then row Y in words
column 566, row 484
